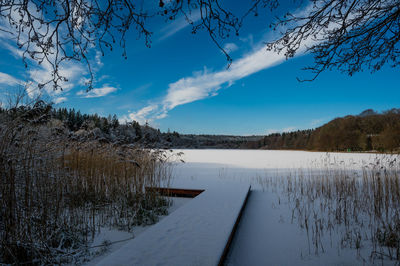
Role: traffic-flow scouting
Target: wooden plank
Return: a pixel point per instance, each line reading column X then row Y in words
column 229, row 242
column 176, row 192
column 198, row 233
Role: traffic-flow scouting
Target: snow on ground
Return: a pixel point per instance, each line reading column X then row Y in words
column 267, row 159
column 266, row 234
column 119, row 238
column 209, row 168
column 195, row 234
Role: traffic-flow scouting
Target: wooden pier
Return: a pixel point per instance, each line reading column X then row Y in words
column 176, row 192
column 198, row 233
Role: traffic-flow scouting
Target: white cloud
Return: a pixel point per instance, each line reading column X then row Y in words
column 248, row 40
column 230, row 47
column 59, row 100
column 9, row 80
column 98, row 61
column 140, row 116
column 33, row 90
column 206, row 84
column 74, row 71
column 83, row 81
column 42, row 74
column 17, row 53
column 178, row 25
column 98, row 92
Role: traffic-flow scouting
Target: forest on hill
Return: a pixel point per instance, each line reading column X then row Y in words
column 108, row 129
column 87, row 127
column 368, row 131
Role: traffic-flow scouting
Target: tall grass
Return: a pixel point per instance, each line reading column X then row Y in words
column 55, row 193
column 360, row 208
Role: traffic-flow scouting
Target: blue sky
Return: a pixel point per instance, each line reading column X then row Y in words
column 182, row 83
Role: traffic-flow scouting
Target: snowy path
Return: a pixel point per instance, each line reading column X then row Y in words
column 195, row 234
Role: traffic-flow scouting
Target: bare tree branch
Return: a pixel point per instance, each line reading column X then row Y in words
column 58, row 31
column 347, row 35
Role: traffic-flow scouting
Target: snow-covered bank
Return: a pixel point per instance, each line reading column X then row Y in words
column 108, row 240
column 195, row 234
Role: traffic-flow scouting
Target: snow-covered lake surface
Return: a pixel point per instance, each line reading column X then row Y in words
column 208, row 167
column 278, row 227
column 277, row 159
column 268, row 233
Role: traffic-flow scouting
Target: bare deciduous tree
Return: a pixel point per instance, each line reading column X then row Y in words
column 55, row 31
column 347, row 35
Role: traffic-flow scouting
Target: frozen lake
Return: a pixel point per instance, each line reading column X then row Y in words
column 208, row 167
column 274, row 229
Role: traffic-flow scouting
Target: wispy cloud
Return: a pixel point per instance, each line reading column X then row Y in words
column 73, row 71
column 142, row 115
column 230, row 47
column 207, row 83
column 9, row 80
column 59, row 100
column 178, row 25
column 41, row 74
column 98, row 63
column 98, row 92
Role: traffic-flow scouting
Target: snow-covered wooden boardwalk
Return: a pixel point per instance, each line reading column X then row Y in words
column 195, row 234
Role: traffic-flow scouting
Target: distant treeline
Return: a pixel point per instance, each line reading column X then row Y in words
column 75, row 120
column 367, row 131
column 132, row 132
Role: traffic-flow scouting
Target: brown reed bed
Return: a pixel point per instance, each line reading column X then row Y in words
column 360, row 209
column 56, row 194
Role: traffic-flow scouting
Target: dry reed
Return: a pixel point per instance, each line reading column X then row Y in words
column 362, row 207
column 55, row 194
